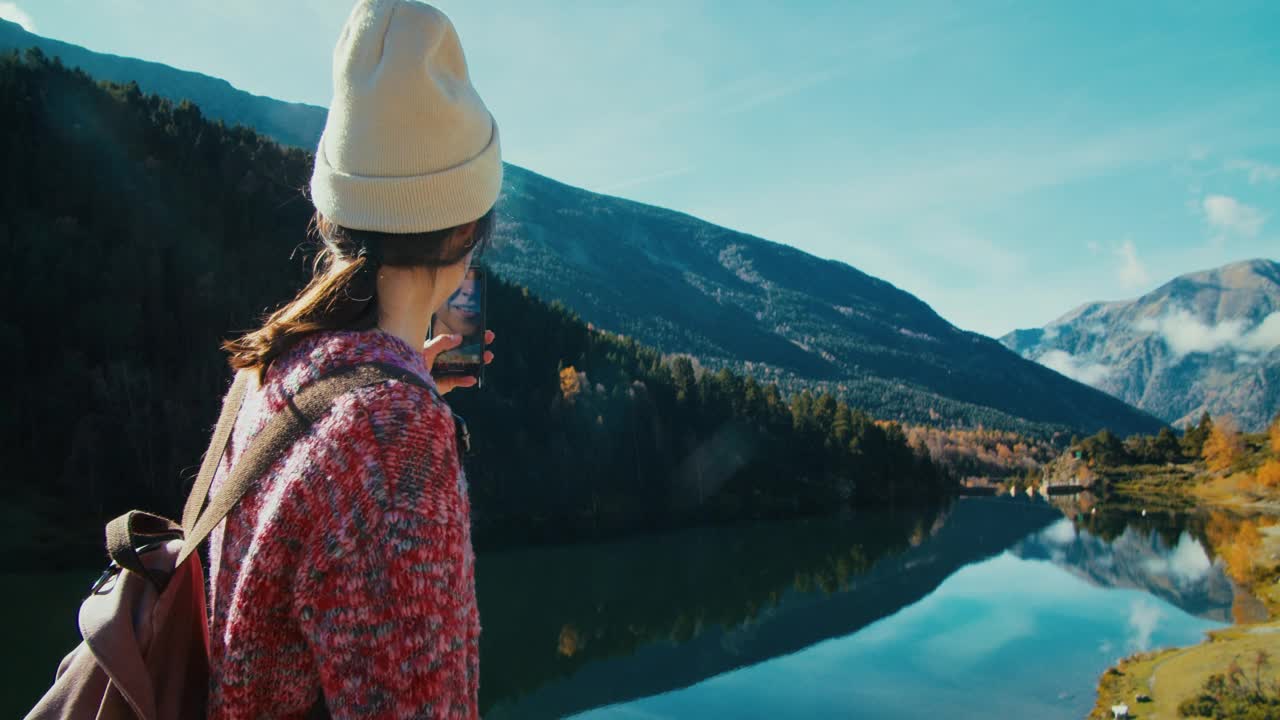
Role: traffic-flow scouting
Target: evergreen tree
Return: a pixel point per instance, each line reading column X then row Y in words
column 1194, row 438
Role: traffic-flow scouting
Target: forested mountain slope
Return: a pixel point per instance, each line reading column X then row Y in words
column 138, row 235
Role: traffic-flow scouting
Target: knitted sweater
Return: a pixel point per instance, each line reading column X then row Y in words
column 348, row 567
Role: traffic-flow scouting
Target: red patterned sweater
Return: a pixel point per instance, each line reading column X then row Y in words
column 349, row 566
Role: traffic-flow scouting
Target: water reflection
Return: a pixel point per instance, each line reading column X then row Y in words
column 1004, row 637
column 890, row 614
column 989, row 606
column 571, row 628
column 1174, row 567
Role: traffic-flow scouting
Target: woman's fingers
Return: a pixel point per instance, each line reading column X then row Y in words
column 438, row 344
column 432, row 348
column 445, row 384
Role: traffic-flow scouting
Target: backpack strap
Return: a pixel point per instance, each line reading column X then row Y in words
column 133, row 533
column 128, row 533
column 217, row 447
column 307, row 406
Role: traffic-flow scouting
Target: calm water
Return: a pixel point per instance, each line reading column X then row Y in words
column 990, row 607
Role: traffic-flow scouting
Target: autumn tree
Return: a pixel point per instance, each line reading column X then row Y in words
column 1269, row 474
column 1275, row 435
column 1224, row 446
column 570, row 384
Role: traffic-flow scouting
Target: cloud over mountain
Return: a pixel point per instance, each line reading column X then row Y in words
column 1207, row 341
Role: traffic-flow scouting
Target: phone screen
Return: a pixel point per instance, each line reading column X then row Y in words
column 463, row 314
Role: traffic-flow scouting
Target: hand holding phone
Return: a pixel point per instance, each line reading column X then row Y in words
column 463, row 314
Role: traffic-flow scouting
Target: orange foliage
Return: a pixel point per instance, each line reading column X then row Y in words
column 570, row 641
column 1243, row 482
column 570, row 385
column 1236, row 542
column 1275, row 435
column 988, row 453
column 1269, row 474
column 1224, row 446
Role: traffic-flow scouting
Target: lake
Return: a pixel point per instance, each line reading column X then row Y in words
column 986, row 607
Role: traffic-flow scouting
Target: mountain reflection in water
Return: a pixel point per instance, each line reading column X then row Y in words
column 991, row 606
column 790, row 619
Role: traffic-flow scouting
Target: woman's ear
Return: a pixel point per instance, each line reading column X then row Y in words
column 465, row 234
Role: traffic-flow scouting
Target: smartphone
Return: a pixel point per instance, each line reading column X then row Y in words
column 463, row 314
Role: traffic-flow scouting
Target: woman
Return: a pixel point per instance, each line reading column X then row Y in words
column 343, row 581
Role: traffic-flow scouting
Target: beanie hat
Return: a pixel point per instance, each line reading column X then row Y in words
column 408, row 145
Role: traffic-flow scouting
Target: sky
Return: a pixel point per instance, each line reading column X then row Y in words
column 1005, row 162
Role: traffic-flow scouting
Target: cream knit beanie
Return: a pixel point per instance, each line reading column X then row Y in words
column 408, row 145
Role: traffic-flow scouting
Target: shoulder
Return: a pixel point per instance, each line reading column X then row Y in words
column 400, row 441
column 403, row 416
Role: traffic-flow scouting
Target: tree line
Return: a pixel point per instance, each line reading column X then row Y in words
column 1218, row 444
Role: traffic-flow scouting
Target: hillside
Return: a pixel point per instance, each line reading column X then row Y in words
column 1206, row 341
column 140, row 235
column 732, row 299
column 729, row 299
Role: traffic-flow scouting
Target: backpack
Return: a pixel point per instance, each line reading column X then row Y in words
column 144, row 624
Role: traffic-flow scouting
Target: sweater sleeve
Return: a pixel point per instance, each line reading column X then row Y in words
column 385, row 596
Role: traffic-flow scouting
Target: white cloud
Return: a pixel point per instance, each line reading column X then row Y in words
column 1187, row 563
column 1229, row 216
column 1259, row 172
column 1143, row 618
column 1184, row 333
column 1265, row 336
column 1133, row 274
column 1078, row 369
column 11, row 12
column 1062, row 532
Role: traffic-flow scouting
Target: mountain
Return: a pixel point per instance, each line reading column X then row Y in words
column 731, row 299
column 1207, row 341
column 289, row 123
column 727, row 298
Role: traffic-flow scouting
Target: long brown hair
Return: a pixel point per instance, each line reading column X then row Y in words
column 343, row 291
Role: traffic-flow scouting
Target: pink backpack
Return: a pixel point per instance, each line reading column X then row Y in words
column 145, row 624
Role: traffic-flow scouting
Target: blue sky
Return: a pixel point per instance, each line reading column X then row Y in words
column 1003, row 161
